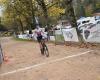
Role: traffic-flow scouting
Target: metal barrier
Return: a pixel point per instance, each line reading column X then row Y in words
column 59, row 38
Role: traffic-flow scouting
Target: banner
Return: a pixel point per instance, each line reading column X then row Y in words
column 70, row 35
column 52, row 38
column 25, row 36
column 92, row 33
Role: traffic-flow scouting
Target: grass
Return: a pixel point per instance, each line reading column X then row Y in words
column 59, row 38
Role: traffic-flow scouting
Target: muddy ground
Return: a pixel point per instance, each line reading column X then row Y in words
column 20, row 55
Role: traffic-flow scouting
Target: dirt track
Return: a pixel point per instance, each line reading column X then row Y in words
column 21, row 54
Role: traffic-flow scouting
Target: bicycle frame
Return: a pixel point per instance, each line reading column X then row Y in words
column 44, row 48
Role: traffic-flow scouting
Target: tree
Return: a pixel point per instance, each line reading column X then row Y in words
column 71, row 16
column 2, row 27
column 80, row 10
column 42, row 4
column 21, row 12
column 70, row 13
column 93, row 5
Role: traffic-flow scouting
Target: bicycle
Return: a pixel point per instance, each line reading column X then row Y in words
column 44, row 50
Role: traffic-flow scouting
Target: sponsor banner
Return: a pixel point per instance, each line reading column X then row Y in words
column 92, row 33
column 70, row 35
column 22, row 36
column 25, row 36
column 52, row 38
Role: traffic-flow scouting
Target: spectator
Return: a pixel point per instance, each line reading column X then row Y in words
column 47, row 31
column 30, row 33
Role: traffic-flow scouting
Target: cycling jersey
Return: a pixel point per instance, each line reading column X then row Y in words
column 38, row 32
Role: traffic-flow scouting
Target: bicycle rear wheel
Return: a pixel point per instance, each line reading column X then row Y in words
column 46, row 51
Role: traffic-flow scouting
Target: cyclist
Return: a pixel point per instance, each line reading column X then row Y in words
column 39, row 34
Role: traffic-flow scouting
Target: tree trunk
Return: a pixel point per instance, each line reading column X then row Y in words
column 45, row 11
column 93, row 5
column 21, row 24
column 33, row 15
column 15, row 26
column 71, row 16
